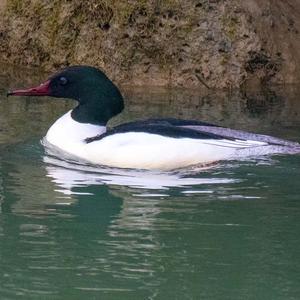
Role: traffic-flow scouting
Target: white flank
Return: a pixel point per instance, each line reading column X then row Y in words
column 143, row 150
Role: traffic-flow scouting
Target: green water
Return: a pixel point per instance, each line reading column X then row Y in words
column 226, row 232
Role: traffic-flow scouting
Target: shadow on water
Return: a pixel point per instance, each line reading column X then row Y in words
column 226, row 232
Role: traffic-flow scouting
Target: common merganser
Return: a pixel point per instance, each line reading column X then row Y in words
column 162, row 144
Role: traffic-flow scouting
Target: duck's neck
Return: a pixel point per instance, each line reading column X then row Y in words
column 66, row 130
column 99, row 107
column 89, row 114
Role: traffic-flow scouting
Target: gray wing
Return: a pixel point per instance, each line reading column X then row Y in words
column 242, row 135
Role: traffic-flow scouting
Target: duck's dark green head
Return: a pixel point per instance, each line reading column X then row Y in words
column 99, row 99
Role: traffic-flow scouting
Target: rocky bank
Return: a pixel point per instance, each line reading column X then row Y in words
column 203, row 43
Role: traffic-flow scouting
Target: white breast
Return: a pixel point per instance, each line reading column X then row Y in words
column 69, row 135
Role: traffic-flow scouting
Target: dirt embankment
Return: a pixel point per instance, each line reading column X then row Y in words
column 208, row 43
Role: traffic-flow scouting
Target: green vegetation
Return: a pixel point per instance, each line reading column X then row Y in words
column 230, row 25
column 159, row 42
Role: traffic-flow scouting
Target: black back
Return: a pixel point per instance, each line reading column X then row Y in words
column 165, row 127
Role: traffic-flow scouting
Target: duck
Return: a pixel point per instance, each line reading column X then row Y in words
column 153, row 144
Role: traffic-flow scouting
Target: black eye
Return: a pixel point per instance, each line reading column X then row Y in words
column 63, row 80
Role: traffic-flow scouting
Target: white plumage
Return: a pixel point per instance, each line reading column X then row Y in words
column 145, row 150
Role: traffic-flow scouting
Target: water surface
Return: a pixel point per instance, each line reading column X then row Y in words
column 230, row 231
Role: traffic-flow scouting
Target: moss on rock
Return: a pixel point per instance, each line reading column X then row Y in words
column 170, row 42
